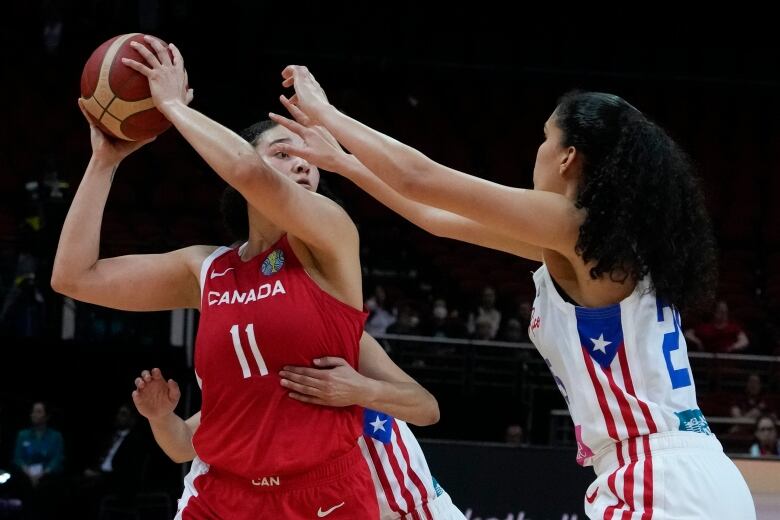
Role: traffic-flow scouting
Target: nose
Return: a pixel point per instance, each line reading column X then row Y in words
column 301, row 166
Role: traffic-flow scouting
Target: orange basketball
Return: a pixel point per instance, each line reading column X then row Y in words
column 116, row 96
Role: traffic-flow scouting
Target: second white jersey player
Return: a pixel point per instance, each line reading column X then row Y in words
column 624, row 373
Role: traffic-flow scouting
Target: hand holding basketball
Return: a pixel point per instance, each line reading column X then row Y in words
column 105, row 147
column 165, row 72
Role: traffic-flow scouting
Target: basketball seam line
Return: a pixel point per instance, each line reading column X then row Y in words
column 105, row 109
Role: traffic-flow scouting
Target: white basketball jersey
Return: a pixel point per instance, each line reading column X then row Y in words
column 623, row 369
column 398, row 467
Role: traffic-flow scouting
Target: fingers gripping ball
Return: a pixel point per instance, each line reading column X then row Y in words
column 116, row 96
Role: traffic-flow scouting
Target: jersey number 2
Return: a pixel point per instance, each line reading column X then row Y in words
column 250, row 334
column 681, row 377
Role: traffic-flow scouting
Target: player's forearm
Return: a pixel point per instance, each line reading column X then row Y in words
column 174, row 437
column 418, row 214
column 409, row 402
column 393, row 162
column 79, row 246
column 228, row 154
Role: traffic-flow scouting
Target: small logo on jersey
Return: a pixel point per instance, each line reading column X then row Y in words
column 583, row 451
column 215, row 274
column 536, row 323
column 273, row 263
column 693, row 421
column 601, row 333
column 601, row 349
column 592, row 498
column 323, row 514
column 266, row 481
column 437, row 487
column 377, row 425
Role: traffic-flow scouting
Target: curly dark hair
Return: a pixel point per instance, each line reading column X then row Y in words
column 645, row 208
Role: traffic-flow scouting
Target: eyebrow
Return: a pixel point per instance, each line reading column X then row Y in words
column 281, row 140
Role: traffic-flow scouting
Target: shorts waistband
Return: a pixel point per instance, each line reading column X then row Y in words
column 327, row 471
column 637, row 448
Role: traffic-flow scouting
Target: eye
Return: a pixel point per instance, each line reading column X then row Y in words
column 281, row 155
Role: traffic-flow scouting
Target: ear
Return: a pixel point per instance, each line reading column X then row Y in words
column 571, row 162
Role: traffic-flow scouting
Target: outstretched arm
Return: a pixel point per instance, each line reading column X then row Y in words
column 542, row 219
column 321, row 149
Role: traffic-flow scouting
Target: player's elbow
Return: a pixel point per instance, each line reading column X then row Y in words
column 408, row 184
column 180, row 458
column 434, row 416
column 245, row 170
column 431, row 414
column 62, row 282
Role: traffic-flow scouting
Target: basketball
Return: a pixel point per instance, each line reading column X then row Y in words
column 116, row 96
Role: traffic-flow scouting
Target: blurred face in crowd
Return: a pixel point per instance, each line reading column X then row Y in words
column 124, row 418
column 488, row 298
column 766, row 432
column 721, row 312
column 38, row 415
column 440, row 309
column 754, row 385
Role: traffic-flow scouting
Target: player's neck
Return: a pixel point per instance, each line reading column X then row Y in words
column 262, row 235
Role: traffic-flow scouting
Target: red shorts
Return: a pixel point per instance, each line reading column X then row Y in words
column 338, row 490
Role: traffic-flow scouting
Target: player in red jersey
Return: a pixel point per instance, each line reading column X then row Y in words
column 290, row 294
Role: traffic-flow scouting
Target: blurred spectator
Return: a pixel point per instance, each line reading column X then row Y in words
column 379, row 317
column 514, row 435
column 767, row 444
column 514, row 331
column 51, row 33
column 516, row 321
column 486, row 311
column 525, row 310
column 443, row 323
column 39, row 450
column 752, row 403
column 719, row 334
column 39, row 454
column 483, row 330
column 23, row 311
column 119, row 468
column 408, row 322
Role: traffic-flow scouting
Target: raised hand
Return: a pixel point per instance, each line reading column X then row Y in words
column 309, row 96
column 164, row 68
column 105, row 147
column 154, row 397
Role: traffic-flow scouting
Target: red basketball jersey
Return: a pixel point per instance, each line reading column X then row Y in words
column 256, row 317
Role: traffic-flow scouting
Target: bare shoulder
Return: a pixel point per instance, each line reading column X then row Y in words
column 194, row 256
column 337, row 229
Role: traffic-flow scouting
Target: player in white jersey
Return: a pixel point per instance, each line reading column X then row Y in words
column 405, row 488
column 617, row 218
